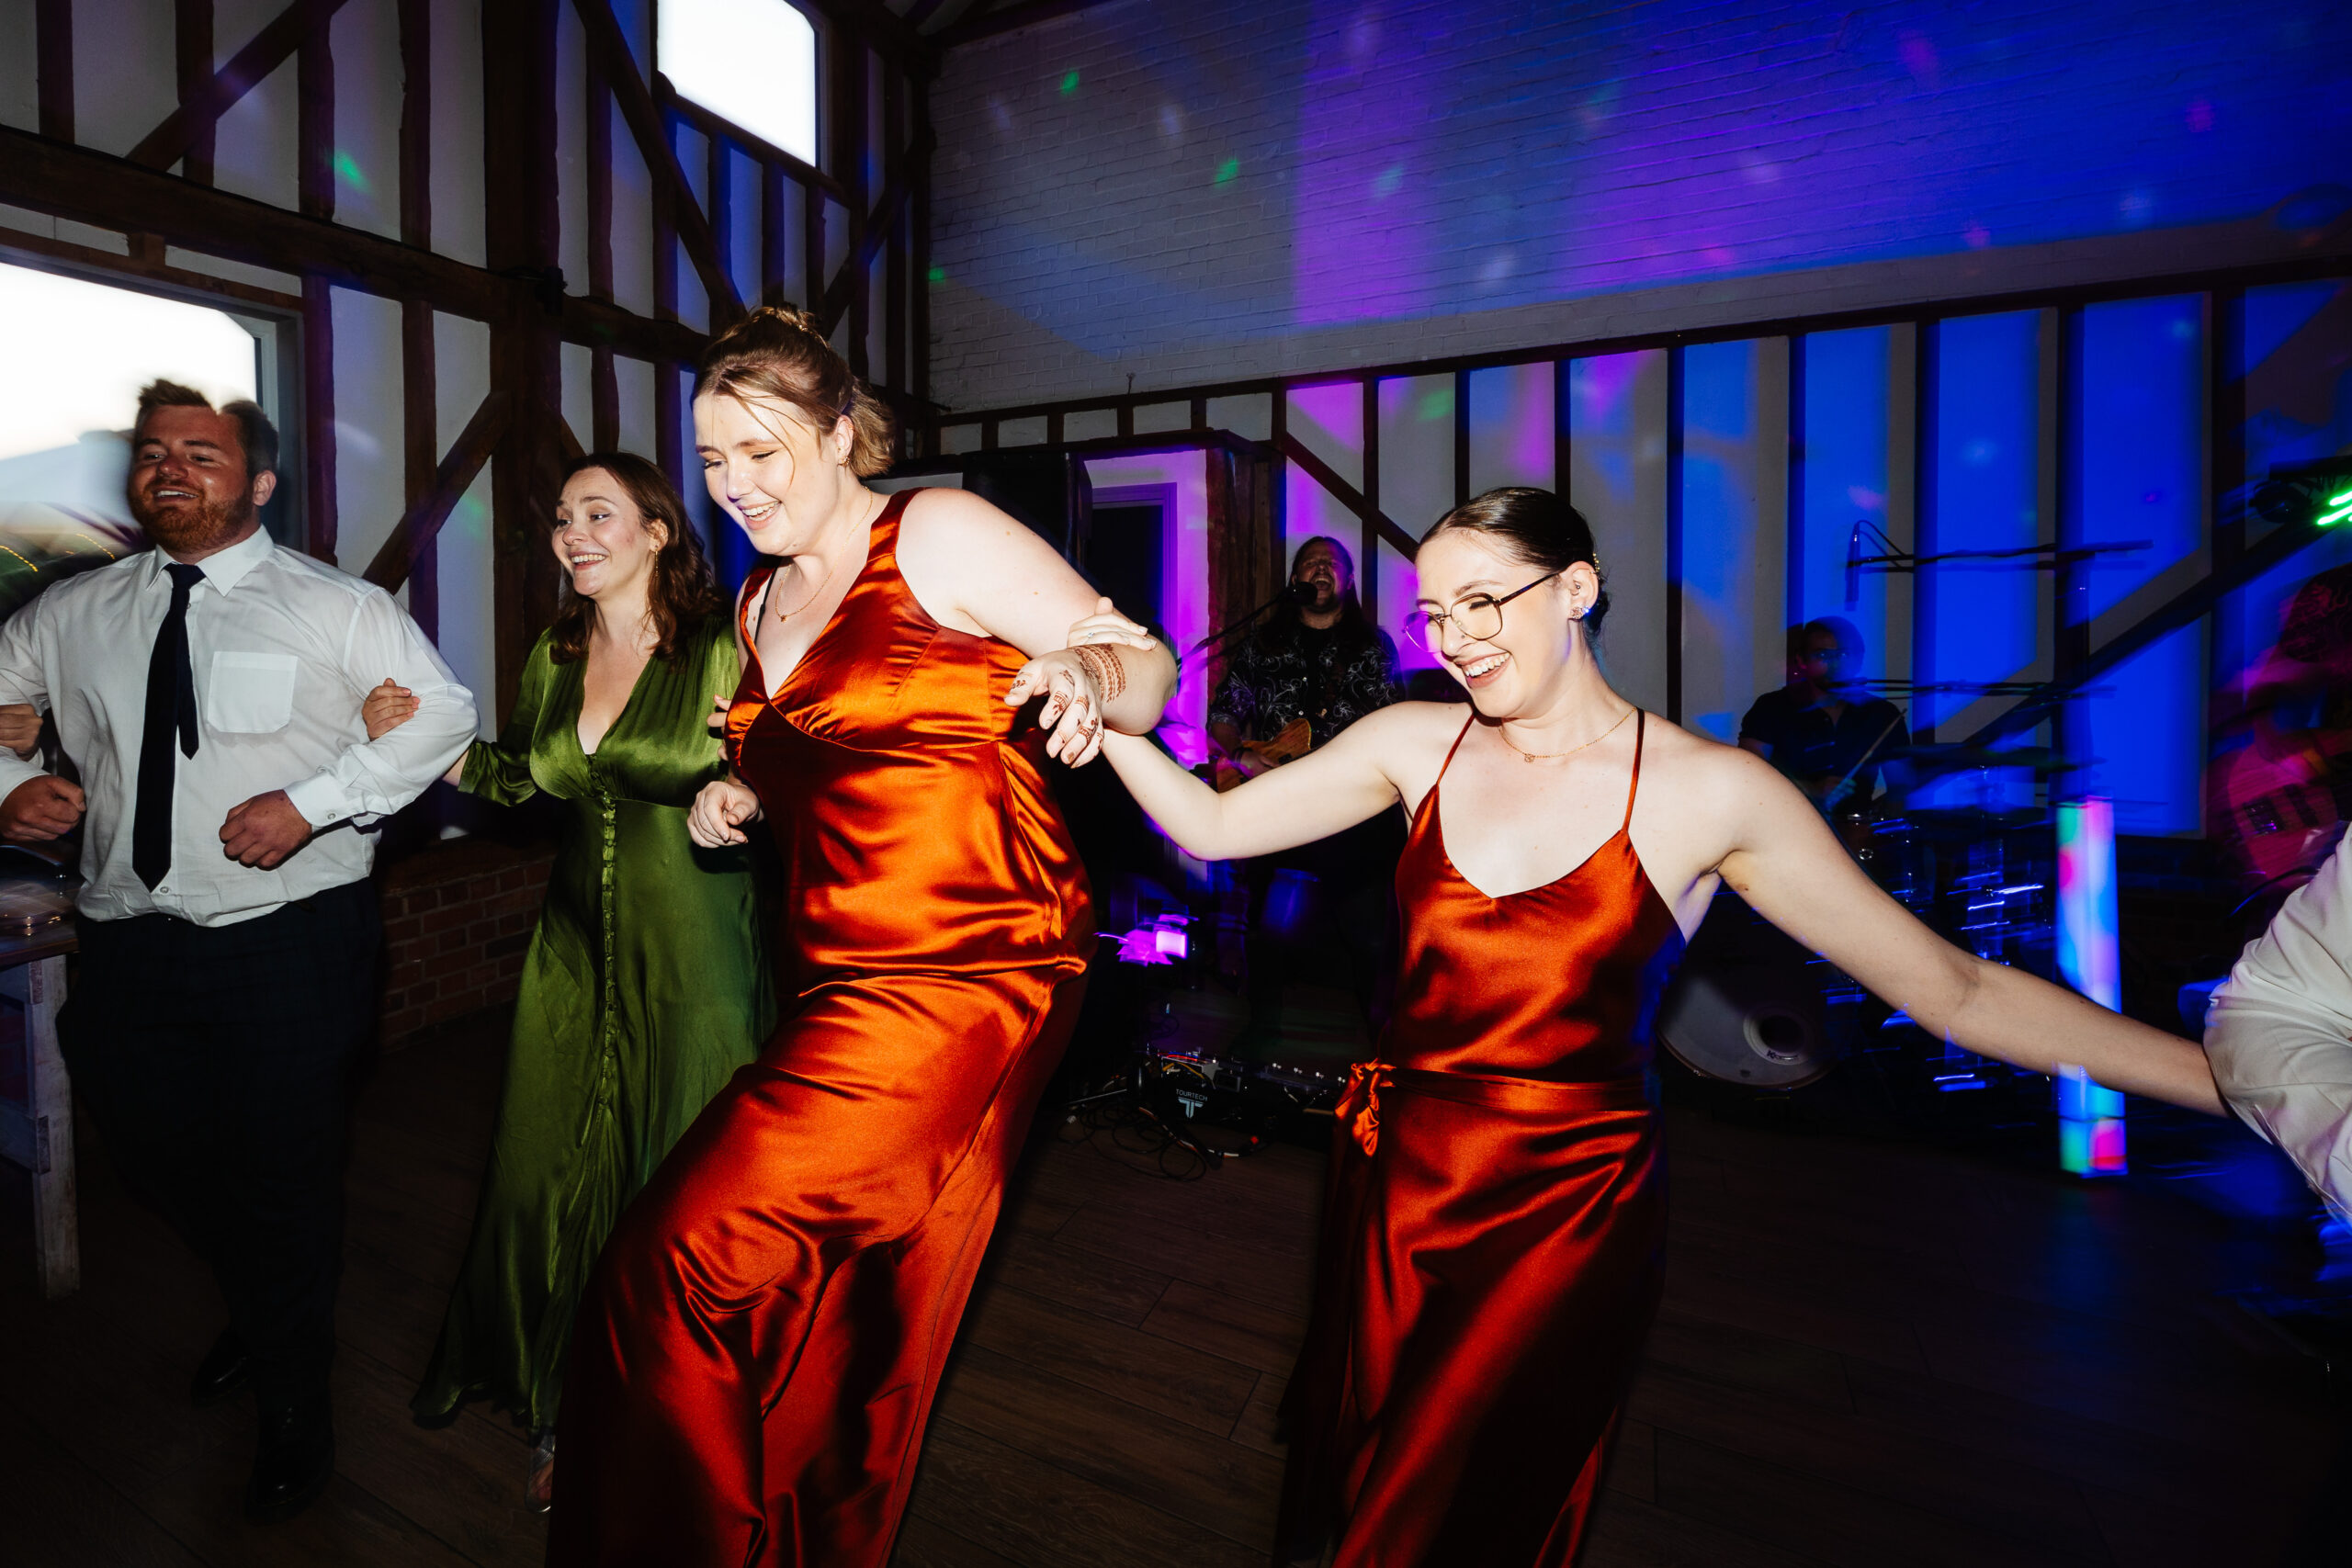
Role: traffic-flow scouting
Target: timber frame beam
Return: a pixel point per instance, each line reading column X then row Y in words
column 114, row 193
column 454, row 475
column 185, row 126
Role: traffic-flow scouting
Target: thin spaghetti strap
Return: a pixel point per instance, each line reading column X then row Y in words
column 1452, row 748
column 1641, row 723
column 755, row 587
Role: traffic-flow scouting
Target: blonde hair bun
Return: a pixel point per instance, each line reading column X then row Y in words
column 778, row 353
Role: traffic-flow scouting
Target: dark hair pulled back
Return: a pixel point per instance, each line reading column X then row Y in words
column 1536, row 527
column 684, row 591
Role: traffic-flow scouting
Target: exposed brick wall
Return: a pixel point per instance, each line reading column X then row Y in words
column 456, row 918
column 1201, row 192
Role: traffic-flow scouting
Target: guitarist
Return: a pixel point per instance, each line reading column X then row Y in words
column 1320, row 660
column 1319, row 666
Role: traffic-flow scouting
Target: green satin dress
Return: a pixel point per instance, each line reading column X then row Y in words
column 645, row 987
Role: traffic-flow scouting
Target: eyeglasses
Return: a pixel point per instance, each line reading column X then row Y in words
column 1477, row 618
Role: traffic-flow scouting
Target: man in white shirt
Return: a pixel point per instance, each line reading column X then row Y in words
column 208, row 691
column 2279, row 1033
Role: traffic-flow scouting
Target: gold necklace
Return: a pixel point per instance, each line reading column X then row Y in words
column 1555, row 756
column 783, row 615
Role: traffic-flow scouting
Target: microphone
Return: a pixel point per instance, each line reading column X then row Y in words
column 1854, row 566
column 1301, row 594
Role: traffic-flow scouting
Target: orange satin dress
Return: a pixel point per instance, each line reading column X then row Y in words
column 1494, row 1225
column 764, row 1332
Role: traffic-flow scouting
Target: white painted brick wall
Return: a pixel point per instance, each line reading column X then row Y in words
column 1427, row 177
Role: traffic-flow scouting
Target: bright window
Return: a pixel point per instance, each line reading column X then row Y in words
column 78, row 353
column 752, row 63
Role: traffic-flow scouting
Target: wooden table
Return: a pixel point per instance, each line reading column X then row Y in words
column 39, row 1133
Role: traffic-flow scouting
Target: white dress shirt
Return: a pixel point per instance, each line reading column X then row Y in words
column 2280, row 1031
column 284, row 650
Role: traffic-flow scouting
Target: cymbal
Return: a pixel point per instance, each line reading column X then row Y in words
column 1954, row 758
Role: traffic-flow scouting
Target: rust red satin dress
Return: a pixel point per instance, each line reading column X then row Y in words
column 761, row 1339
column 1494, row 1224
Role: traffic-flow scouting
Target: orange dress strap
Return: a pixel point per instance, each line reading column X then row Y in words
column 1450, row 750
column 1641, row 724
column 755, row 588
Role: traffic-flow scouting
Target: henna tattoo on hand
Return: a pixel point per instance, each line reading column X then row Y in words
column 1110, row 674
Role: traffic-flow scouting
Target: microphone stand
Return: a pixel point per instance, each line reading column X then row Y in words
column 1226, row 634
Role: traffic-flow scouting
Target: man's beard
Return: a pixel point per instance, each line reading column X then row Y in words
column 193, row 526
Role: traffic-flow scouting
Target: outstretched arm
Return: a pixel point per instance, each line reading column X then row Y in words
column 1788, row 865
column 1343, row 784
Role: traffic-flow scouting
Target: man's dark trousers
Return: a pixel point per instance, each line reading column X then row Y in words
column 215, row 1062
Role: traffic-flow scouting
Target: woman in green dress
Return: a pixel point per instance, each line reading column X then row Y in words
column 644, row 988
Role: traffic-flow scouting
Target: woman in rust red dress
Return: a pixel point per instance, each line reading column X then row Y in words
column 758, row 1349
column 1496, row 1211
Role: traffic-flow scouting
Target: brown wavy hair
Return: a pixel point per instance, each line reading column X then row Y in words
column 778, row 353
column 684, row 591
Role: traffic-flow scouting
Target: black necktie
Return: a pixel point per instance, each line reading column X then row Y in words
column 171, row 705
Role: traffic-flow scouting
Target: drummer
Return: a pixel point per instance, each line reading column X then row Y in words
column 1823, row 730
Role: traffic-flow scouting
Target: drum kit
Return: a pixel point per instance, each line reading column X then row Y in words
column 1751, row 1006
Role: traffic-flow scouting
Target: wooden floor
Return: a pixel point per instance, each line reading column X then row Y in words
column 1870, row 1354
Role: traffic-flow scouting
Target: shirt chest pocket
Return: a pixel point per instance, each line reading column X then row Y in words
column 250, row 694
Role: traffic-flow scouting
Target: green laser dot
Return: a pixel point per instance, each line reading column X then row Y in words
column 1228, row 169
column 939, row 274
column 1070, row 83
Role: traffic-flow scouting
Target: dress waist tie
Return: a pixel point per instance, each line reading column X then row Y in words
column 1359, row 1106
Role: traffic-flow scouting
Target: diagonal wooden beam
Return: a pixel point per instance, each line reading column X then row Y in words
column 844, row 287
column 1348, row 495
column 644, row 117
column 271, row 48
column 456, row 475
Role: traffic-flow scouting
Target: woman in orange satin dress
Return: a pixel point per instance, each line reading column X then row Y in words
column 1496, row 1217
column 760, row 1344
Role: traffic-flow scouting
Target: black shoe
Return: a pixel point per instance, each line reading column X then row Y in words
column 294, row 1463
column 226, row 1370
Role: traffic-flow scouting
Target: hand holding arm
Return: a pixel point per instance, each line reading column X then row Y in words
column 20, row 729
column 264, row 831
column 377, row 777
column 716, row 819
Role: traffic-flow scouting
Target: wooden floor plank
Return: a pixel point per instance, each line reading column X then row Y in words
column 1840, row 1525
column 1628, row 1532
column 1632, row 1468
column 1197, row 1477
column 1260, row 1424
column 1232, row 1326
column 1022, row 1260
column 1041, row 1517
column 924, row 1543
column 1202, row 1391
column 1869, row 1354
column 1920, row 1471
column 61, row 1515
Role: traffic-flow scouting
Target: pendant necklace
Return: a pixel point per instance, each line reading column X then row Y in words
column 783, row 615
column 1555, row 756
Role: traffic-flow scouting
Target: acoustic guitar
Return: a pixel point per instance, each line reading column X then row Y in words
column 1296, row 740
